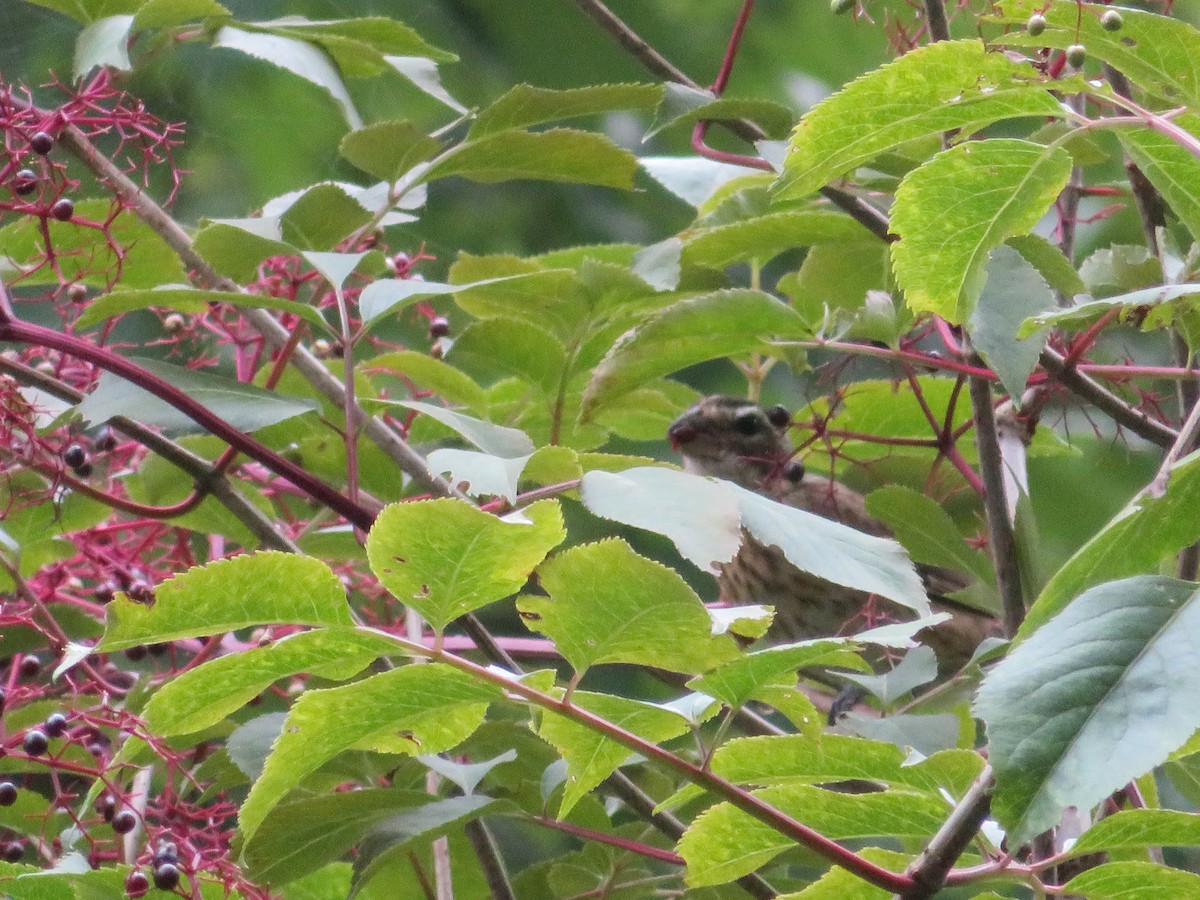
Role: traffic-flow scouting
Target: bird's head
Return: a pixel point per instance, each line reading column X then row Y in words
column 733, row 438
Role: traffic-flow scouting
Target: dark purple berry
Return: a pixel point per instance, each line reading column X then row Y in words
column 439, row 327
column 159, row 649
column 8, row 793
column 105, row 591
column 84, row 470
column 167, row 852
column 30, row 666
column 41, row 143
column 166, row 876
column 75, row 456
column 124, row 821
column 35, row 743
column 77, row 293
column 13, row 851
column 106, row 441
column 136, row 884
column 62, row 209
column 136, row 653
column 25, row 182
column 55, row 725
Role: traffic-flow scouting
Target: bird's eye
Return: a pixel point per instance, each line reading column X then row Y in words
column 779, row 416
column 748, row 422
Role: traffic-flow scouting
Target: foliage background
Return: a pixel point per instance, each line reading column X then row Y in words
column 246, row 118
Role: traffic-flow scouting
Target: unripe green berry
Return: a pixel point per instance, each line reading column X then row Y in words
column 840, row 6
column 1111, row 21
column 1036, row 24
column 1076, row 56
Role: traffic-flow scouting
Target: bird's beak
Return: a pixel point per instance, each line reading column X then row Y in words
column 680, row 433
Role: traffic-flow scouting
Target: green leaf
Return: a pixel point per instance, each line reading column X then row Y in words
column 764, row 237
column 691, row 331
column 479, row 474
column 498, row 440
column 300, row 837
column 1154, row 51
column 244, row 406
column 446, row 558
column 926, row 530
column 663, row 501
column 919, row 666
column 1013, row 291
column 1135, row 829
column 841, row 884
column 591, row 757
column 944, row 86
column 836, row 278
column 560, row 154
column 447, row 382
column 388, row 149
column 693, row 179
column 104, row 42
column 236, row 247
column 741, row 679
column 699, row 515
column 953, row 211
column 240, row 592
column 414, row 709
column 203, row 696
column 1132, row 305
column 1172, row 169
column 607, row 604
column 724, row 843
column 393, row 294
column 382, row 34
column 1134, row 881
column 191, row 301
column 515, row 347
column 659, row 265
column 1135, row 541
column 296, row 56
column 1048, row 259
column 391, row 840
column 322, row 217
column 1092, row 699
column 828, row 757
column 423, row 73
column 683, row 105
column 169, row 13
column 525, row 105
column 833, row 551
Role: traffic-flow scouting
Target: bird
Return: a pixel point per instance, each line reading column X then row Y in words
column 743, row 442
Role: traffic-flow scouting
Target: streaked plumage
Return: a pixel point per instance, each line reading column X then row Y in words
column 738, row 440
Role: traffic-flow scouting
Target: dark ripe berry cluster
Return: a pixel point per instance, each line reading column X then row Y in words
column 62, row 209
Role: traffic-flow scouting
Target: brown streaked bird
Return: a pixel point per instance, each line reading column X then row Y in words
column 736, row 439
